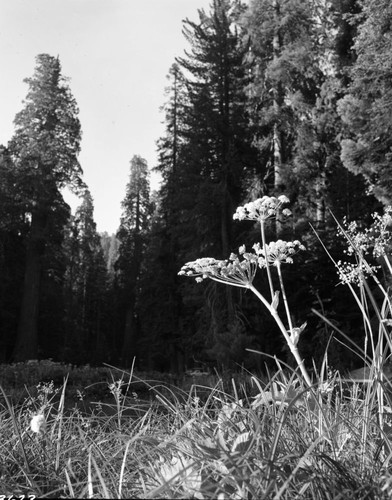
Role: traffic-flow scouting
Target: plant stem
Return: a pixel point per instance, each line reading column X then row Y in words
column 266, row 259
column 290, row 343
column 286, row 304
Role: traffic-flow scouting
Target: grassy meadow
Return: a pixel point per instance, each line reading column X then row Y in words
column 273, row 438
column 301, row 432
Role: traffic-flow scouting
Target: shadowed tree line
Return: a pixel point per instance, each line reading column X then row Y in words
column 270, row 97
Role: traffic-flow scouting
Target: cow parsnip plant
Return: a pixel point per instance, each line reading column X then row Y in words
column 240, row 269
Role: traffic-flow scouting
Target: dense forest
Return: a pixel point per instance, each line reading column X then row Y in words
column 270, row 97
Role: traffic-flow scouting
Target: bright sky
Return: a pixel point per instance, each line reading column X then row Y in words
column 117, row 54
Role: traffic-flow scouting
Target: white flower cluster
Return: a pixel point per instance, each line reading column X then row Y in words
column 354, row 273
column 378, row 237
column 232, row 271
column 38, row 424
column 262, row 209
column 115, row 389
column 361, row 243
column 383, row 223
column 242, row 272
column 278, row 252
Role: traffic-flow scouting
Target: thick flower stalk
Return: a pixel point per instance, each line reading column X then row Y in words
column 277, row 253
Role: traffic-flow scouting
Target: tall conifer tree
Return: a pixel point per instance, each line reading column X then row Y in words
column 216, row 158
column 85, row 285
column 217, row 121
column 44, row 150
column 132, row 236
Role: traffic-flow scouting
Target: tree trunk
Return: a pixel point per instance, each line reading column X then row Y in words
column 320, row 199
column 277, row 97
column 129, row 343
column 226, row 159
column 27, row 338
column 277, row 104
column 130, row 331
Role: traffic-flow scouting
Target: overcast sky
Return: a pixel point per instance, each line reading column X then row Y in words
column 117, row 54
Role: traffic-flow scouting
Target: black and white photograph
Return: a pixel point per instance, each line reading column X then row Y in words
column 196, row 249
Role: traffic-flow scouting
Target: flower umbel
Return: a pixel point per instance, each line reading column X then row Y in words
column 383, row 224
column 262, row 209
column 374, row 241
column 359, row 242
column 378, row 237
column 232, row 271
column 278, row 252
column 354, row 273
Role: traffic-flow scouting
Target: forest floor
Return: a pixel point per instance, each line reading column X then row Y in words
column 275, row 439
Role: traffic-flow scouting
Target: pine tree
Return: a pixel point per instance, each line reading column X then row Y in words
column 175, row 110
column 132, row 236
column 85, row 286
column 217, row 123
column 110, row 246
column 44, row 151
column 213, row 166
column 168, row 224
